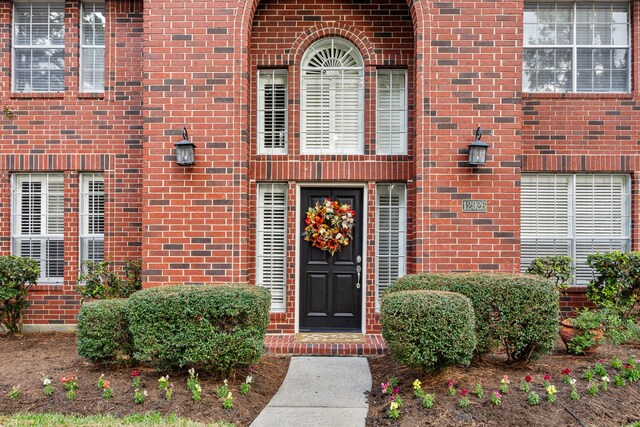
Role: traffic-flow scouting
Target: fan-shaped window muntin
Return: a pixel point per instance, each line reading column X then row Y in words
column 332, row 90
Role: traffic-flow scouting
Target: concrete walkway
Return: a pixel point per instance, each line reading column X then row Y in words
column 320, row 391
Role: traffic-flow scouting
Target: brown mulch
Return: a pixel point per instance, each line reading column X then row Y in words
column 615, row 407
column 24, row 360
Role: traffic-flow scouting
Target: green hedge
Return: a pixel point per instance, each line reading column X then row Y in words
column 103, row 331
column 428, row 329
column 216, row 327
column 517, row 311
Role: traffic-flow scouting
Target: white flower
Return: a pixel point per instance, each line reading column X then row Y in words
column 46, row 381
column 229, row 396
column 192, row 372
column 572, row 381
column 249, row 379
column 145, row 393
column 606, row 379
column 198, row 387
column 226, row 383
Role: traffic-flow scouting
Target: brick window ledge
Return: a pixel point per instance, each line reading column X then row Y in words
column 91, row 95
column 576, row 95
column 36, row 95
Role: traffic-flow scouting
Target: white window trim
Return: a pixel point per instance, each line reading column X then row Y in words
column 274, row 73
column 402, row 233
column 85, row 178
column 16, row 203
column 574, row 46
column 308, row 57
column 91, row 46
column 15, row 46
column 571, row 238
column 262, row 252
column 379, row 113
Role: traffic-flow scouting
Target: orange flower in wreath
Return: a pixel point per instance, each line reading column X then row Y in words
column 329, row 225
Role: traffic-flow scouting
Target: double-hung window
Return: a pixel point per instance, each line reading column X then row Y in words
column 38, row 46
column 271, row 251
column 391, row 120
column 272, row 111
column 38, row 222
column 574, row 215
column 581, row 46
column 91, row 217
column 92, row 47
column 391, row 235
column 332, row 109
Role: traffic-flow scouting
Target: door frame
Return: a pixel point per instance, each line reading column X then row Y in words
column 364, row 281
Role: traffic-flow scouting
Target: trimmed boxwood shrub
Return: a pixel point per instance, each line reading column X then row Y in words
column 215, row 327
column 517, row 311
column 428, row 329
column 103, row 331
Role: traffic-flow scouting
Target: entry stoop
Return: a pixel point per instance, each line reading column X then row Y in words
column 324, row 344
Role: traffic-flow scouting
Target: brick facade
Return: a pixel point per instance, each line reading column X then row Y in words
column 176, row 63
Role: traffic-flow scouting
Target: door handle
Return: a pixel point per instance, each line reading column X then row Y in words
column 358, row 270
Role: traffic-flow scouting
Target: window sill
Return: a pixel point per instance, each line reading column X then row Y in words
column 91, row 95
column 576, row 95
column 36, row 95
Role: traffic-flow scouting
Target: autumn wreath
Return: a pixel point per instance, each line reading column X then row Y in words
column 329, row 225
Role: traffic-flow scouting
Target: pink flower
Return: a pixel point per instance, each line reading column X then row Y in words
column 528, row 378
column 451, row 383
column 464, row 392
column 600, row 360
column 392, row 398
column 497, row 394
column 547, row 377
column 135, row 373
column 383, row 387
column 396, row 390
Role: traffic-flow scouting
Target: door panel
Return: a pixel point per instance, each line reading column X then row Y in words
column 330, row 298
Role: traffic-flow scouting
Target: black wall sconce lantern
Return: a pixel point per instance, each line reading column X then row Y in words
column 478, row 150
column 185, row 150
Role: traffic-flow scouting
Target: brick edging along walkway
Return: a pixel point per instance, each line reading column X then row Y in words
column 286, row 344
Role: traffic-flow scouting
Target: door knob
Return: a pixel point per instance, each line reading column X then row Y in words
column 358, row 270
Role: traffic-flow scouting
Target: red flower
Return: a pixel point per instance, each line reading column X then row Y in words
column 135, row 373
column 451, row 383
column 464, row 392
column 566, row 371
column 528, row 378
column 547, row 377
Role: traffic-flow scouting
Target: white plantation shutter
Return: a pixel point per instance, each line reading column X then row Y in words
column 272, row 111
column 92, row 199
column 38, row 222
column 602, row 218
column 391, row 233
column 332, row 111
column 573, row 215
column 271, row 254
column 391, row 121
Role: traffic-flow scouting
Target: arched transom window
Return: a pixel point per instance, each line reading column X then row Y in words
column 332, row 111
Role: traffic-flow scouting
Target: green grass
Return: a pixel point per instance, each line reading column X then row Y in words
column 149, row 419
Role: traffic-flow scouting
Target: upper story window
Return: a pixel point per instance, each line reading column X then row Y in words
column 576, row 47
column 272, row 112
column 391, row 120
column 332, row 110
column 38, row 47
column 92, row 47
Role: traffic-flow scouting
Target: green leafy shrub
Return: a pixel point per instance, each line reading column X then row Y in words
column 217, row 327
column 17, row 275
column 100, row 280
column 428, row 329
column 616, row 286
column 103, row 331
column 557, row 268
column 519, row 312
column 584, row 323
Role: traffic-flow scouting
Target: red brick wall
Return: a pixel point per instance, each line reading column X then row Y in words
column 72, row 132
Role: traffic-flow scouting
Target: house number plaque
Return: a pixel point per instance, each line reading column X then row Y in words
column 474, row 206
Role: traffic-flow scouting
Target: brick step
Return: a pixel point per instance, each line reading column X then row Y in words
column 288, row 344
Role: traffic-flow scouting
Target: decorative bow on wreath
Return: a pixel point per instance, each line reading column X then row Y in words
column 329, row 225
